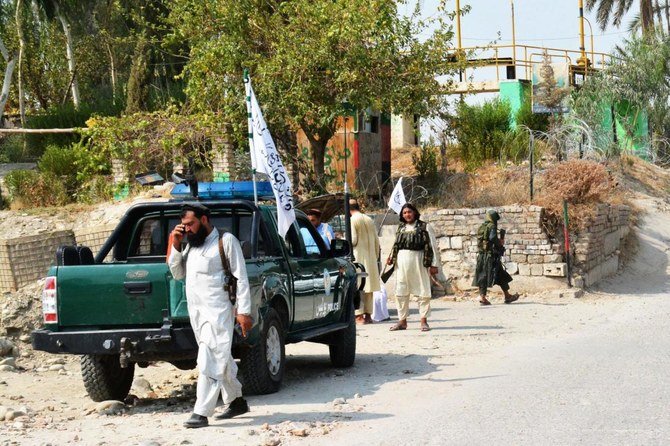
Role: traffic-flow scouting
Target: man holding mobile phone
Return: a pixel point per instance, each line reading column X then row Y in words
column 210, row 309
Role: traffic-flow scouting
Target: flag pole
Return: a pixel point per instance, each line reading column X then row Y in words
column 347, row 211
column 250, row 125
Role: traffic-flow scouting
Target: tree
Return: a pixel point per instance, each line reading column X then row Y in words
column 310, row 60
column 639, row 76
column 10, row 60
column 549, row 94
column 617, row 9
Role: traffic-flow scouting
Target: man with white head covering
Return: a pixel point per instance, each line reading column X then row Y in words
column 211, row 310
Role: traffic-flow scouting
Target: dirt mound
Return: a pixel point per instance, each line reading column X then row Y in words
column 21, row 311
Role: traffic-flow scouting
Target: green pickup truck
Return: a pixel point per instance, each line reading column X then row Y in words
column 131, row 311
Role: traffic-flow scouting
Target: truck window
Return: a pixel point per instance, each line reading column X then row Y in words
column 314, row 246
column 151, row 241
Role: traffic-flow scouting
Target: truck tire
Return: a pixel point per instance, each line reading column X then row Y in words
column 262, row 366
column 104, row 379
column 343, row 347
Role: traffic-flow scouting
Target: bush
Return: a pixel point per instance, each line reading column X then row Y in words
column 481, row 131
column 426, row 164
column 61, row 162
column 29, row 188
column 534, row 121
column 97, row 189
column 11, row 149
column 62, row 116
column 582, row 184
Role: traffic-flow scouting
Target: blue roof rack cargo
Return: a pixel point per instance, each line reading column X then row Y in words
column 228, row 189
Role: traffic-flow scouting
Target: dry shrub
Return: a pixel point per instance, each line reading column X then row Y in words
column 583, row 184
column 490, row 186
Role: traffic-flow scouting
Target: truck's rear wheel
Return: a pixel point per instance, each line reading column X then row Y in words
column 343, row 347
column 262, row 366
column 104, row 379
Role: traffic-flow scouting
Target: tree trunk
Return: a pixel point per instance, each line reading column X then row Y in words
column 140, row 78
column 69, row 47
column 659, row 17
column 647, row 16
column 22, row 45
column 7, row 82
column 112, row 71
column 667, row 14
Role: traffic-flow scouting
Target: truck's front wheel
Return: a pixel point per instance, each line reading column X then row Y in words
column 105, row 379
column 343, row 347
column 262, row 366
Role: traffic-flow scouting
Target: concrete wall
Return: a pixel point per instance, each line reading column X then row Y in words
column 403, row 132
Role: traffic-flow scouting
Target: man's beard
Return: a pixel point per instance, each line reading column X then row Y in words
column 197, row 239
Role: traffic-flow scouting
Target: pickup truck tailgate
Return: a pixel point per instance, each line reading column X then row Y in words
column 112, row 294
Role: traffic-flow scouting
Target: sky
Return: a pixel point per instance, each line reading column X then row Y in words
column 543, row 23
column 551, row 23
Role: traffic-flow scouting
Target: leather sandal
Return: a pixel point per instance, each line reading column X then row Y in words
column 484, row 302
column 512, row 298
column 425, row 326
column 398, row 326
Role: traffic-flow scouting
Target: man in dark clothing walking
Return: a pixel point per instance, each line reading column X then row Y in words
column 490, row 270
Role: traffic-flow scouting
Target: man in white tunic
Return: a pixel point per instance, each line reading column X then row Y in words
column 210, row 309
column 366, row 251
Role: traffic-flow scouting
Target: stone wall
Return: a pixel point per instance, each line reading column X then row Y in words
column 535, row 259
column 530, row 251
column 596, row 250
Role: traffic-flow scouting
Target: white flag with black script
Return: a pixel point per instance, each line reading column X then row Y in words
column 397, row 199
column 265, row 159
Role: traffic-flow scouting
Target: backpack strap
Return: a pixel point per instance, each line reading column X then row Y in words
column 230, row 281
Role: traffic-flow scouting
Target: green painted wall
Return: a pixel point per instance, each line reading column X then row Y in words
column 516, row 93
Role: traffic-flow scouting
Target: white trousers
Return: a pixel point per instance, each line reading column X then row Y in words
column 208, row 390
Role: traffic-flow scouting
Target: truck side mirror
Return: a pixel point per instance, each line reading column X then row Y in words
column 339, row 248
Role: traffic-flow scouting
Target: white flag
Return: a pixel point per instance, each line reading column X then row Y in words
column 265, row 159
column 397, row 199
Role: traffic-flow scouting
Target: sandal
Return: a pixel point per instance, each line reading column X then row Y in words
column 484, row 302
column 398, row 326
column 512, row 298
column 425, row 326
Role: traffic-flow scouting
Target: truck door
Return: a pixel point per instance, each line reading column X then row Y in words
column 302, row 268
column 325, row 271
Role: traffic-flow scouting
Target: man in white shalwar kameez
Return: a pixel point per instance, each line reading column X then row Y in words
column 210, row 309
column 366, row 252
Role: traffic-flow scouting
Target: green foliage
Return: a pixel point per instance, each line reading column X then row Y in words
column 61, row 162
column 482, row 131
column 152, row 141
column 307, row 58
column 29, row 188
column 426, row 163
column 97, row 188
column 11, row 149
column 637, row 77
column 534, row 121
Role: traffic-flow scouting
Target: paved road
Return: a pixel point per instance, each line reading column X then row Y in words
column 606, row 384
column 592, row 372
